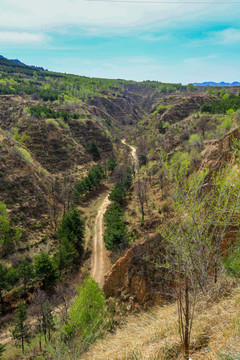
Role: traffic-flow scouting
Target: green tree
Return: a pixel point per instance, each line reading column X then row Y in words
column 118, row 193
column 26, row 273
column 191, row 87
column 46, row 270
column 115, row 233
column 21, row 329
column 111, row 164
column 127, row 179
column 88, row 315
column 94, row 150
column 72, row 228
column 65, row 255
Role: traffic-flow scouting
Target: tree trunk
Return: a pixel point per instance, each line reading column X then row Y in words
column 187, row 319
column 2, row 303
column 22, row 344
column 142, row 210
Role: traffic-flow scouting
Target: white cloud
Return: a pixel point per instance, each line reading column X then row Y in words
column 200, row 59
column 34, row 14
column 155, row 38
column 228, row 36
column 11, row 37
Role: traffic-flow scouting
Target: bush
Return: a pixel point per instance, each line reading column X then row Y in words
column 21, row 154
column 162, row 128
column 142, row 159
column 89, row 318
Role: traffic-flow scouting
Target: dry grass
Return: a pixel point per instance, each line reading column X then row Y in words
column 154, row 335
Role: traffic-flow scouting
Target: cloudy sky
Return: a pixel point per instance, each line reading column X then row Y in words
column 173, row 41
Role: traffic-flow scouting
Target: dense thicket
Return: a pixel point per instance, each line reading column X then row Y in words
column 42, row 111
column 89, row 182
column 115, row 234
column 223, row 105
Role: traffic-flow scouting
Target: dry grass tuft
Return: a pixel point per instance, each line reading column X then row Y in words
column 153, row 335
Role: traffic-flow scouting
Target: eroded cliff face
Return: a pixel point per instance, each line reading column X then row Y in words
column 219, row 152
column 137, row 275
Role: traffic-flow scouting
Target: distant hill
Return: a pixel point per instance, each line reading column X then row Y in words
column 211, row 83
column 9, row 62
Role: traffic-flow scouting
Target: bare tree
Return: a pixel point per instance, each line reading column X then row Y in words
column 42, row 310
column 66, row 193
column 62, row 300
column 204, row 213
column 141, row 191
column 203, row 124
column 54, row 204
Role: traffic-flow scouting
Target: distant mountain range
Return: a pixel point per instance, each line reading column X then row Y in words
column 18, row 62
column 211, row 83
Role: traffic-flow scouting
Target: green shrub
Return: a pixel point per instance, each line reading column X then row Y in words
column 89, row 318
column 52, row 122
column 22, row 154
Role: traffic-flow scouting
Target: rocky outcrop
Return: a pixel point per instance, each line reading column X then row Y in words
column 218, row 152
column 137, row 275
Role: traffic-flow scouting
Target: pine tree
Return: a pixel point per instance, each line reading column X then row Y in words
column 46, row 270
column 21, row 329
column 26, row 273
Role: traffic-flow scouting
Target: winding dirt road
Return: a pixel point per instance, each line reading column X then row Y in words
column 133, row 154
column 100, row 260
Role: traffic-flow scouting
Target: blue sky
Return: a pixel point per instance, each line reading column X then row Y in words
column 173, row 42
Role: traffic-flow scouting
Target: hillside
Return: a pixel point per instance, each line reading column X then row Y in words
column 73, row 148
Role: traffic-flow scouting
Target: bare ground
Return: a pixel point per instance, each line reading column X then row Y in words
column 100, row 260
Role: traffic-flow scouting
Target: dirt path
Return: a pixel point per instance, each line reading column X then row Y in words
column 133, row 154
column 100, row 261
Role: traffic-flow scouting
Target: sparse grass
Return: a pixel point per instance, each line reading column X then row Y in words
column 154, row 334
